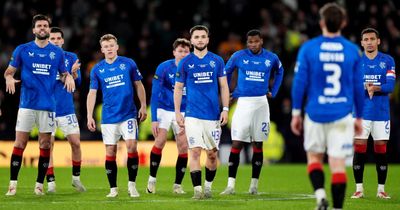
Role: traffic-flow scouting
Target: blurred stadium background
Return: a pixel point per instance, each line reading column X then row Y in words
column 147, row 28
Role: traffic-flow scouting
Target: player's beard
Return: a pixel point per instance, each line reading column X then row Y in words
column 370, row 51
column 46, row 36
column 256, row 51
column 200, row 48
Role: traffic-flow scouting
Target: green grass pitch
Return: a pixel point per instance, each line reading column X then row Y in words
column 281, row 186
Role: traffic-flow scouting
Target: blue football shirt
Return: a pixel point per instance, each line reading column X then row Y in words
column 327, row 72
column 381, row 72
column 254, row 72
column 116, row 82
column 162, row 94
column 64, row 99
column 39, row 67
column 202, row 88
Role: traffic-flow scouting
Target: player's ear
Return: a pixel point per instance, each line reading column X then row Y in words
column 321, row 23
column 117, row 47
column 344, row 24
column 378, row 41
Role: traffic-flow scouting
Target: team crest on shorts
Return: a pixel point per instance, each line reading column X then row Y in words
column 191, row 140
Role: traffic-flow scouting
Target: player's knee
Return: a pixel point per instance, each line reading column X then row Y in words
column 160, row 144
column 257, row 145
column 20, row 144
column 237, row 145
column 131, row 146
column 337, row 165
column 132, row 149
column 111, row 150
column 45, row 144
column 212, row 157
column 195, row 154
column 75, row 145
column 182, row 148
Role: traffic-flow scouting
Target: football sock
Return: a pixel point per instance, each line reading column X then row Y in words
column 43, row 164
column 133, row 165
column 381, row 163
column 316, row 175
column 155, row 159
column 76, row 168
column 338, row 189
column 360, row 156
column 234, row 159
column 15, row 163
column 50, row 177
column 111, row 170
column 210, row 175
column 257, row 162
column 196, row 178
column 180, row 167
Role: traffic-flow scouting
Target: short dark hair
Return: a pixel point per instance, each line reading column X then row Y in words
column 199, row 28
column 57, row 30
column 370, row 30
column 254, row 32
column 108, row 37
column 181, row 42
column 333, row 16
column 40, row 17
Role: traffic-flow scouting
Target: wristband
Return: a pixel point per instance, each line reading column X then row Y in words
column 225, row 108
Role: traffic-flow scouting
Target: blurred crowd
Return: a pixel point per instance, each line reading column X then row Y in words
column 147, row 28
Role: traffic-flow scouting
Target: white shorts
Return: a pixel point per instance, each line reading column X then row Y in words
column 166, row 120
column 380, row 130
column 112, row 133
column 68, row 125
column 250, row 122
column 202, row 133
column 335, row 137
column 27, row 118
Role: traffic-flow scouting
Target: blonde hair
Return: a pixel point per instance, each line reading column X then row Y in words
column 108, row 37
